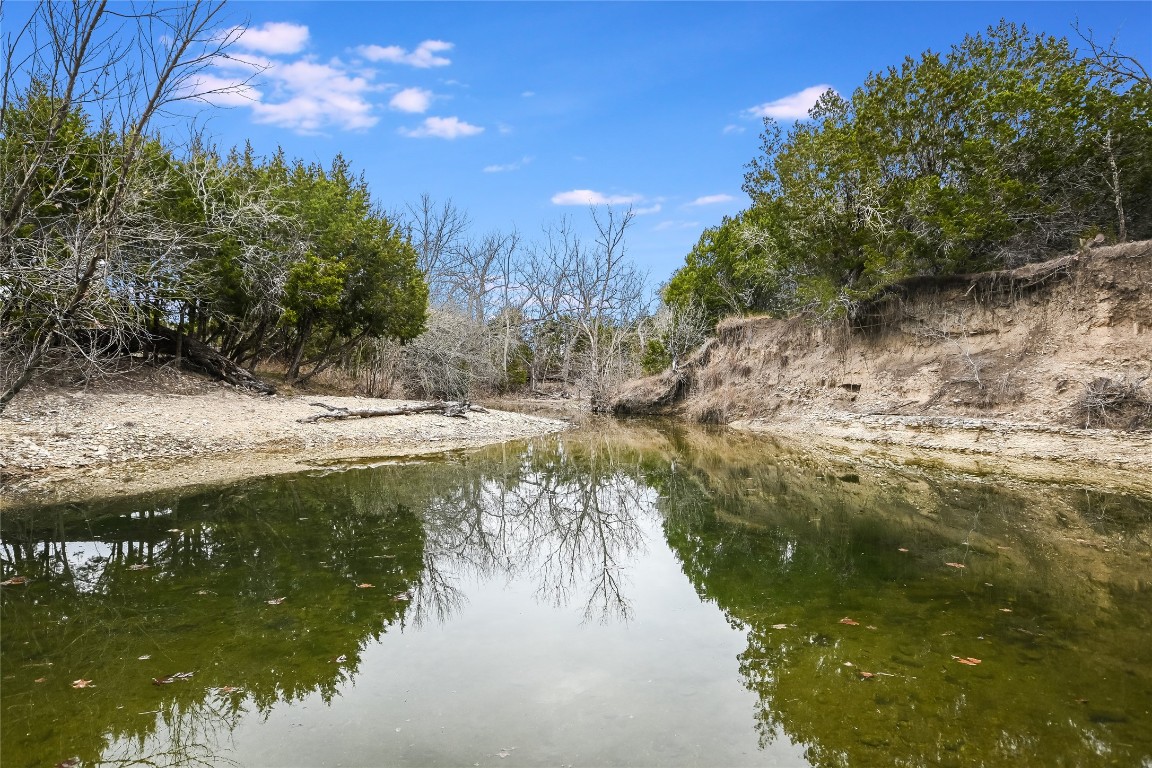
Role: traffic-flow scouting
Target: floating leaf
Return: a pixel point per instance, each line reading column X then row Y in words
column 15, row 581
column 81, row 683
column 145, row 657
column 849, row 622
column 227, row 689
column 902, row 549
column 849, row 664
column 867, row 675
column 40, row 680
column 780, row 626
column 366, row 586
column 276, row 600
column 971, row 662
column 955, row 565
column 1005, row 610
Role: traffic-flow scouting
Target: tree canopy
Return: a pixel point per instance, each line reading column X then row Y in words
column 1007, row 149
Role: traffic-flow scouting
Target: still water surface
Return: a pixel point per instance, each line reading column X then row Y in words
column 635, row 594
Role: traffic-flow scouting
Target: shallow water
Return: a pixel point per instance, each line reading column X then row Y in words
column 635, row 594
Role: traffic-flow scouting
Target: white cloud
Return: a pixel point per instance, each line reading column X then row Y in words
column 508, row 166
column 423, row 57
column 712, row 200
column 654, row 208
column 274, row 37
column 309, row 97
column 528, row 94
column 792, row 107
column 411, row 100
column 442, row 128
column 733, row 129
column 591, row 197
column 667, row 225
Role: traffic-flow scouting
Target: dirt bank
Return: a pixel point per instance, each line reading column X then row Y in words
column 163, row 430
column 994, row 373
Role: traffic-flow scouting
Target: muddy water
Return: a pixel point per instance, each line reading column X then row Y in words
column 624, row 595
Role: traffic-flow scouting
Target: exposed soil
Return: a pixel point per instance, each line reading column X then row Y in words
column 160, row 429
column 1043, row 372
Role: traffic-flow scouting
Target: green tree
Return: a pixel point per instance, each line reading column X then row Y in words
column 358, row 277
column 1005, row 150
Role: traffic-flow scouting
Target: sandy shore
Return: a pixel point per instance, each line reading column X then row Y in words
column 71, row 445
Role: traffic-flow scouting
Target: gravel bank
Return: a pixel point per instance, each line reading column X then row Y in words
column 70, row 445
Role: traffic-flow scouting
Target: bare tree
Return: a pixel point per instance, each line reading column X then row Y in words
column 438, row 234
column 1106, row 58
column 506, row 312
column 78, row 241
column 678, row 330
column 607, row 299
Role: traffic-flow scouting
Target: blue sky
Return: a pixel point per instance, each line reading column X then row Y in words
column 524, row 112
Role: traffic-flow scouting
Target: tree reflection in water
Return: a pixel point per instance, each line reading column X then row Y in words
column 566, row 520
column 782, row 542
column 187, row 582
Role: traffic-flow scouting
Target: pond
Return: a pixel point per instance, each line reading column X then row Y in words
column 626, row 594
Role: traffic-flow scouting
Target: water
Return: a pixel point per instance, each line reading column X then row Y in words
column 638, row 594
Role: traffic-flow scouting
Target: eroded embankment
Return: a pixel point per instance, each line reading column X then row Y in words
column 1041, row 372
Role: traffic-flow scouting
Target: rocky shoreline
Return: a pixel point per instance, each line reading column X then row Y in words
column 1047, row 453
column 60, row 445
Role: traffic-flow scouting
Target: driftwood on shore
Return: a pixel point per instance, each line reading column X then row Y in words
column 457, row 410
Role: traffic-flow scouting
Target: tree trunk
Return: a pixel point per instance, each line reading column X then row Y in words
column 199, row 356
column 298, row 354
column 1118, row 197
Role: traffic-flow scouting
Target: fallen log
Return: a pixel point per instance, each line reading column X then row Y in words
column 456, row 410
column 198, row 356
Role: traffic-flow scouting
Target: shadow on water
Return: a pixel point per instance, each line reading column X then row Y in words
column 271, row 592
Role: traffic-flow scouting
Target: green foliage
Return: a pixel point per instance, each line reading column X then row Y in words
column 656, row 357
column 65, row 182
column 358, row 276
column 252, row 254
column 1005, row 150
column 732, row 269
